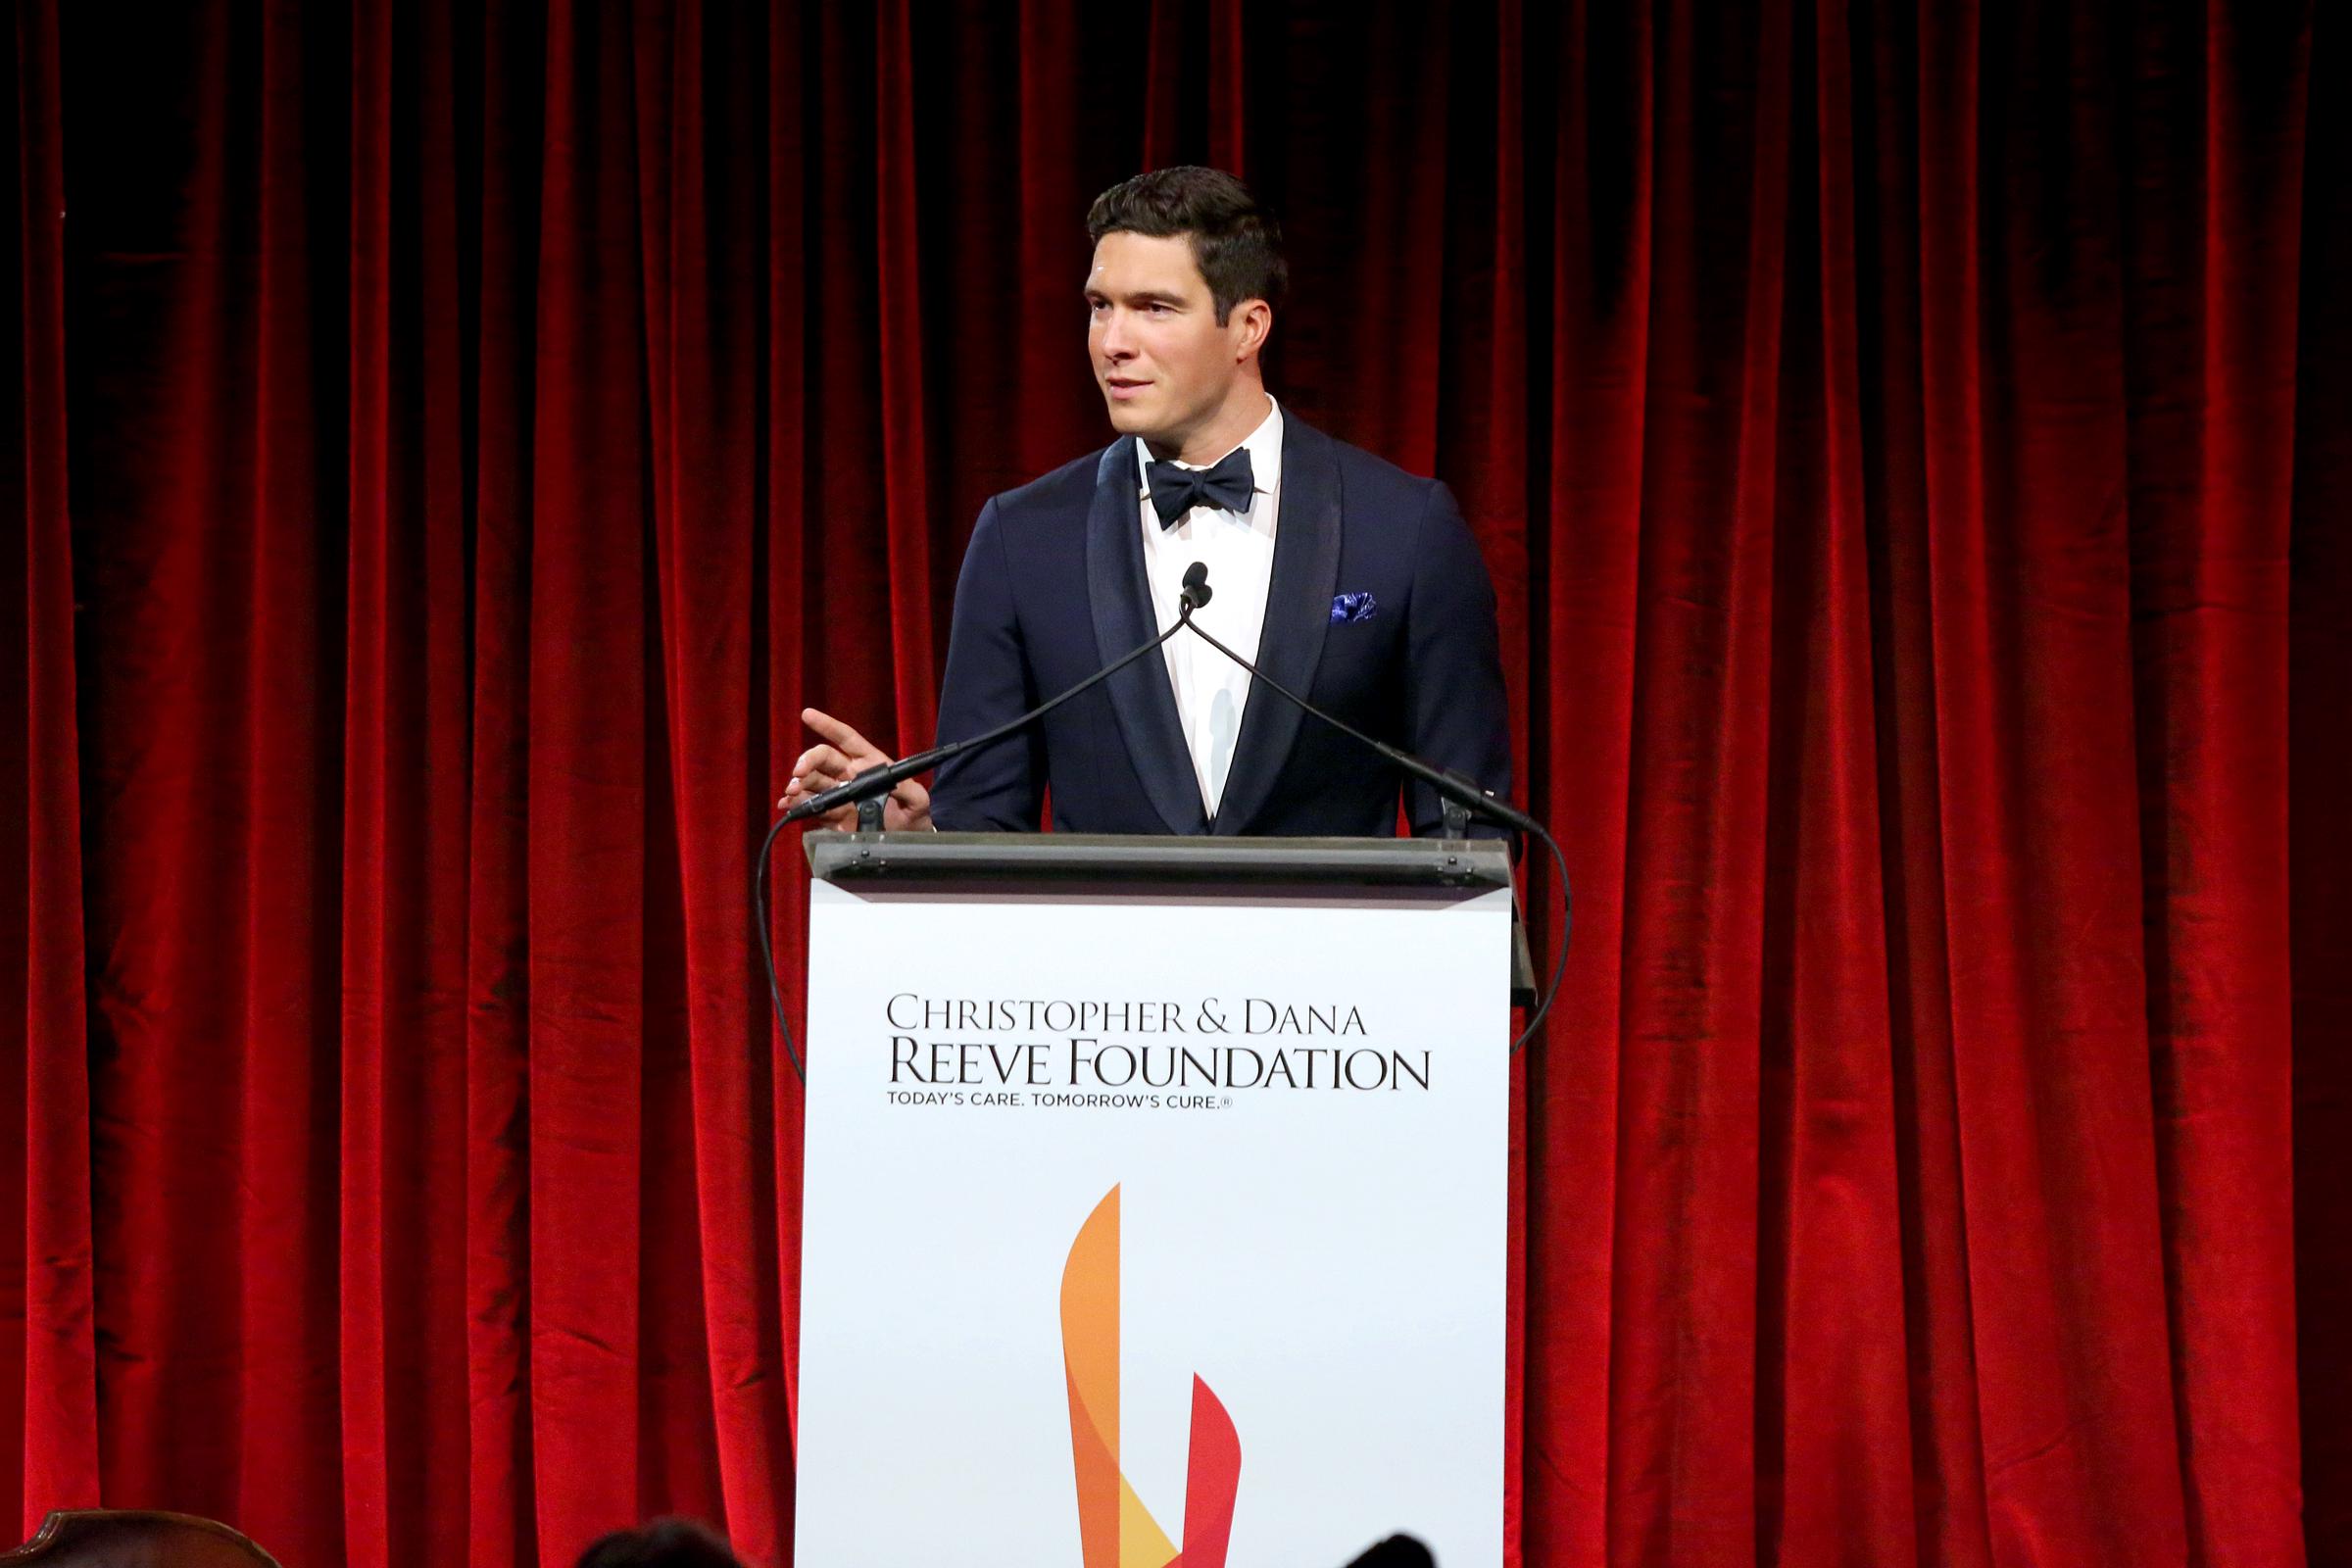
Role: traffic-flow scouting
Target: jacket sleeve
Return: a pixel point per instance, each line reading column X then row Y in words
column 1459, row 716
column 1000, row 786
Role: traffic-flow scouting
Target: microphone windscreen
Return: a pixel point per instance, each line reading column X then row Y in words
column 1196, row 584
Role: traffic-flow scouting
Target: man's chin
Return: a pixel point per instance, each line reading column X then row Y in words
column 1128, row 420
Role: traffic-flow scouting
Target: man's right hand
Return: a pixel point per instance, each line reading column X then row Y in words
column 843, row 754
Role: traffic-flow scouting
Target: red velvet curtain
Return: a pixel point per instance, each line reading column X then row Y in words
column 1912, row 446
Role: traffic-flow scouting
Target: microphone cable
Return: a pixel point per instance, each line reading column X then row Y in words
column 767, row 950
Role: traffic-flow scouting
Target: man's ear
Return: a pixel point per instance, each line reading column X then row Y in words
column 1253, row 322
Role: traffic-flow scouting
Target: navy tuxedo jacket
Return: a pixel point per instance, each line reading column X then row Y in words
column 1054, row 589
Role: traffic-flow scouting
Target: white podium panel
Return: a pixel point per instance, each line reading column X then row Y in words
column 1138, row 1225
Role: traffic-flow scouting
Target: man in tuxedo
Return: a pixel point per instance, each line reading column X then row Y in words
column 1342, row 577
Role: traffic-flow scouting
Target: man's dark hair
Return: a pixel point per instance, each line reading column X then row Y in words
column 663, row 1543
column 1236, row 242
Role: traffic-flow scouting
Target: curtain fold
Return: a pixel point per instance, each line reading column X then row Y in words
column 2320, row 833
column 1910, row 444
column 406, row 768
column 49, row 1449
column 498, row 397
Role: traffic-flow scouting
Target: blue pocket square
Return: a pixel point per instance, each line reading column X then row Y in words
column 1346, row 609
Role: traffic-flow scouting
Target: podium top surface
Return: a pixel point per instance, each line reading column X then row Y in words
column 912, row 861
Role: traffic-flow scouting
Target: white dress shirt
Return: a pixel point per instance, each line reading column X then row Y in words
column 1211, row 690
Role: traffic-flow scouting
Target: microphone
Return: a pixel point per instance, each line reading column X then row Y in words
column 886, row 776
column 1463, row 791
column 1455, row 787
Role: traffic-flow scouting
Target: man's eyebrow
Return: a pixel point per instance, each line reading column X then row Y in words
column 1140, row 296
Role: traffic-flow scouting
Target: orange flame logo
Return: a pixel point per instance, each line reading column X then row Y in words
column 1114, row 1528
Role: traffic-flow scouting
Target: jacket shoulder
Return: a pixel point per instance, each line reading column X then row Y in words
column 1367, row 472
column 1363, row 476
column 1065, row 491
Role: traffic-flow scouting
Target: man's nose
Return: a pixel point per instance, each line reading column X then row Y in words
column 1115, row 344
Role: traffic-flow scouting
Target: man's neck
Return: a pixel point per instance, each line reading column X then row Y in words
column 1242, row 413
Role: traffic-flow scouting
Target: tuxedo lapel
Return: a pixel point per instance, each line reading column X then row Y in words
column 1290, row 645
column 1122, row 599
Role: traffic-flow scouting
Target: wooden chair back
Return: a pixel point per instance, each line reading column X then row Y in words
column 135, row 1538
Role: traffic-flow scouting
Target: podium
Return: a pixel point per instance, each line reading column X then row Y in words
column 1154, row 1201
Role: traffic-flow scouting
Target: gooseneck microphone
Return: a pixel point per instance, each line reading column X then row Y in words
column 1464, row 792
column 886, row 776
column 1455, row 787
column 1195, row 594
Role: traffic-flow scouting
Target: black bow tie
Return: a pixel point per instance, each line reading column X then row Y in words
column 1176, row 490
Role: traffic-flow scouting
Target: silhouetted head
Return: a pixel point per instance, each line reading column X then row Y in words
column 663, row 1543
column 1397, row 1551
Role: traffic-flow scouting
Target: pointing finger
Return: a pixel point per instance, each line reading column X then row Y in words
column 834, row 730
